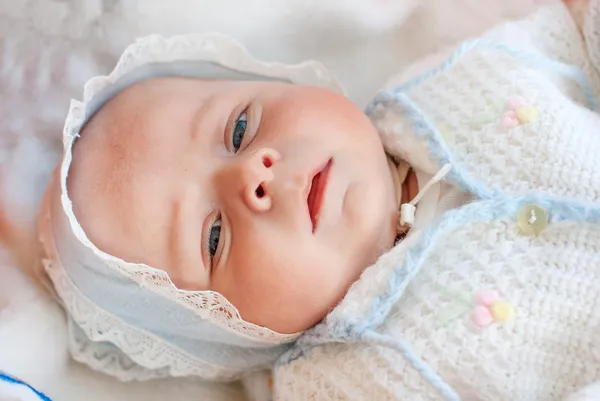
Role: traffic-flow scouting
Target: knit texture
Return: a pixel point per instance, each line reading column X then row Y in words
column 517, row 119
column 549, row 349
column 591, row 30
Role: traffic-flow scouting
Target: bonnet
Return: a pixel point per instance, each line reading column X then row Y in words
column 129, row 320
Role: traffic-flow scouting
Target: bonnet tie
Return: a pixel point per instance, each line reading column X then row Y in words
column 407, row 210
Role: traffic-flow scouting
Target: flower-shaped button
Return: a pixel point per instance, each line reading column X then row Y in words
column 518, row 112
column 490, row 308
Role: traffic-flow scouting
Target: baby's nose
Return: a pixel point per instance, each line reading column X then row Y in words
column 258, row 174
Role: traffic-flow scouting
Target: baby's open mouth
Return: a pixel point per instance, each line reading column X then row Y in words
column 317, row 194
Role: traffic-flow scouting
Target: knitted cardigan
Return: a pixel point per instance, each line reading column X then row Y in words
column 498, row 299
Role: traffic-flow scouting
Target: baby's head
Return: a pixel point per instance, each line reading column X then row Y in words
column 274, row 195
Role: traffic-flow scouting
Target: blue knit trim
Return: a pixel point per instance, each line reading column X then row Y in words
column 559, row 209
column 438, row 151
column 428, row 132
column 421, row 367
column 537, row 60
column 9, row 379
column 499, row 207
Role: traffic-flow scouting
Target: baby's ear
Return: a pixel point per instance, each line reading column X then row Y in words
column 6, row 229
column 24, row 175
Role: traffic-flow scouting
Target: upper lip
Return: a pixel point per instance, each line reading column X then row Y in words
column 315, row 192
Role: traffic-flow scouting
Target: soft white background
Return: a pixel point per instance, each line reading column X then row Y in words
column 48, row 48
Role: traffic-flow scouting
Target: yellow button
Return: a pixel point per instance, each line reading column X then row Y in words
column 527, row 114
column 502, row 311
column 532, row 219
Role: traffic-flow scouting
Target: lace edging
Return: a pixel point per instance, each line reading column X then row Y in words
column 98, row 330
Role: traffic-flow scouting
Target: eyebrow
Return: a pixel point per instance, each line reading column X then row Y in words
column 176, row 237
column 174, row 232
column 199, row 115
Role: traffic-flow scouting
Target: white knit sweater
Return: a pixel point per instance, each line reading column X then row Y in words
column 498, row 299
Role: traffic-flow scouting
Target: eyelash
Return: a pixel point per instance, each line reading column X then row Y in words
column 212, row 244
column 242, row 123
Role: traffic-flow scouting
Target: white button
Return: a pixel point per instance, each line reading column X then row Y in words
column 532, row 220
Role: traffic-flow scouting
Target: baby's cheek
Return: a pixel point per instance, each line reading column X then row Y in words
column 282, row 279
column 300, row 297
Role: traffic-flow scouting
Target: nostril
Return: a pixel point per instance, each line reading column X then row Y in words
column 267, row 162
column 260, row 191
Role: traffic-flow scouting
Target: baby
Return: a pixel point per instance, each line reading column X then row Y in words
column 248, row 189
column 214, row 215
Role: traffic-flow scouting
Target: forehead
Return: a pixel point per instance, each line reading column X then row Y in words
column 155, row 111
column 150, row 114
column 140, row 124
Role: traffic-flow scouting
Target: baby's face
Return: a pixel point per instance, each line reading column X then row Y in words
column 276, row 196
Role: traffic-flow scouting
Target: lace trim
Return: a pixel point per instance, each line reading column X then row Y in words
column 211, row 47
column 156, row 49
column 92, row 344
column 108, row 359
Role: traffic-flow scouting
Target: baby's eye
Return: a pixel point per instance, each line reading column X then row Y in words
column 213, row 237
column 239, row 129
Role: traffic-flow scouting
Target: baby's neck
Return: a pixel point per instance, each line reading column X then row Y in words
column 405, row 181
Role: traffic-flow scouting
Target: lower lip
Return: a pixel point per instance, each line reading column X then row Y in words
column 317, row 194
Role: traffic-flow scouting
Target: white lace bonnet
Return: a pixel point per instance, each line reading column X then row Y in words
column 127, row 319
